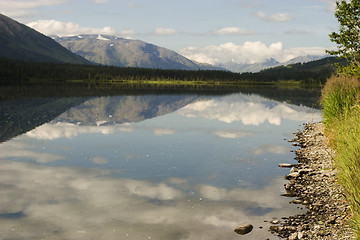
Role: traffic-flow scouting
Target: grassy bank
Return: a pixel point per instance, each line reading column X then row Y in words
column 341, row 115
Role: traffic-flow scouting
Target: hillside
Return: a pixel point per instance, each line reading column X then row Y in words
column 310, row 72
column 121, row 52
column 20, row 42
column 268, row 63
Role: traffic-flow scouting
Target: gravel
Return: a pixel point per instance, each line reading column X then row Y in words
column 313, row 181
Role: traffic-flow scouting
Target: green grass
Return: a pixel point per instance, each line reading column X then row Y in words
column 347, row 161
column 340, row 103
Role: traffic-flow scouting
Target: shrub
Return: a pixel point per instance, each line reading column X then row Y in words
column 339, row 95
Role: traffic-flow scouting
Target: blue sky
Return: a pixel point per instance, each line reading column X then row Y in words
column 213, row 31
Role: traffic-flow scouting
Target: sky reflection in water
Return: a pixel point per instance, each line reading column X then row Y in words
column 196, row 173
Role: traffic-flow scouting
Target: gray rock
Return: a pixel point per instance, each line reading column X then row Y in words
column 292, row 175
column 244, row 229
column 286, row 165
column 293, row 236
column 275, row 222
column 296, row 201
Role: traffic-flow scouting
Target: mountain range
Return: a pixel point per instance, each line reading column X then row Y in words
column 117, row 51
column 20, row 42
column 268, row 63
column 123, row 109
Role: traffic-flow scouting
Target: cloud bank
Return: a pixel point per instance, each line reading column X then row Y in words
column 248, row 52
column 53, row 27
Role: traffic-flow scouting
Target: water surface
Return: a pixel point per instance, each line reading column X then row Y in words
column 148, row 167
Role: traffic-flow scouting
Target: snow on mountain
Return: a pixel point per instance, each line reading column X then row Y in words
column 116, row 51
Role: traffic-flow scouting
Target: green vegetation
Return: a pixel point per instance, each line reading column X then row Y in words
column 340, row 103
column 347, row 39
column 341, row 113
column 20, row 72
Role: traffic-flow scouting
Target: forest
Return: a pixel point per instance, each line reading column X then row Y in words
column 18, row 72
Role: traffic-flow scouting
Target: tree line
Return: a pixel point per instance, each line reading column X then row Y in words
column 17, row 72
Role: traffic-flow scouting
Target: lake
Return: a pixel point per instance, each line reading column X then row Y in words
column 148, row 166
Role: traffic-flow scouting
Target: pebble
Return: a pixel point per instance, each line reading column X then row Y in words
column 287, row 165
column 244, row 229
column 313, row 182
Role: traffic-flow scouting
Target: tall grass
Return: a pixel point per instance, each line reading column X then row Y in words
column 347, row 161
column 340, row 103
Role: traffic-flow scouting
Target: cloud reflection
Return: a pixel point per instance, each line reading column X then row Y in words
column 232, row 134
column 275, row 149
column 163, row 131
column 51, row 131
column 99, row 160
column 14, row 149
column 81, row 203
column 250, row 110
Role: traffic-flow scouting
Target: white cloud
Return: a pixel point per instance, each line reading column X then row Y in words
column 101, row 1
column 127, row 33
column 247, row 53
column 53, row 27
column 135, row 5
column 278, row 17
column 164, row 31
column 232, row 31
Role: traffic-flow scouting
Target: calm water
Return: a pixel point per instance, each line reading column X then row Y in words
column 145, row 167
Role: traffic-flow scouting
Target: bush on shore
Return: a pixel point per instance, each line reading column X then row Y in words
column 340, row 103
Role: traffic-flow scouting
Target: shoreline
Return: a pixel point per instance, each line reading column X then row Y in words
column 313, row 181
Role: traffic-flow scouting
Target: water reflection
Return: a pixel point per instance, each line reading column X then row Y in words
column 196, row 168
column 249, row 109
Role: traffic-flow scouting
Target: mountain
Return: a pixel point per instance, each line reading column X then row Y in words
column 305, row 59
column 256, row 67
column 116, row 51
column 268, row 63
column 22, row 115
column 20, row 42
column 123, row 109
column 90, row 111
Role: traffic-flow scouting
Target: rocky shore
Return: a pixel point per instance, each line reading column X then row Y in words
column 313, row 181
